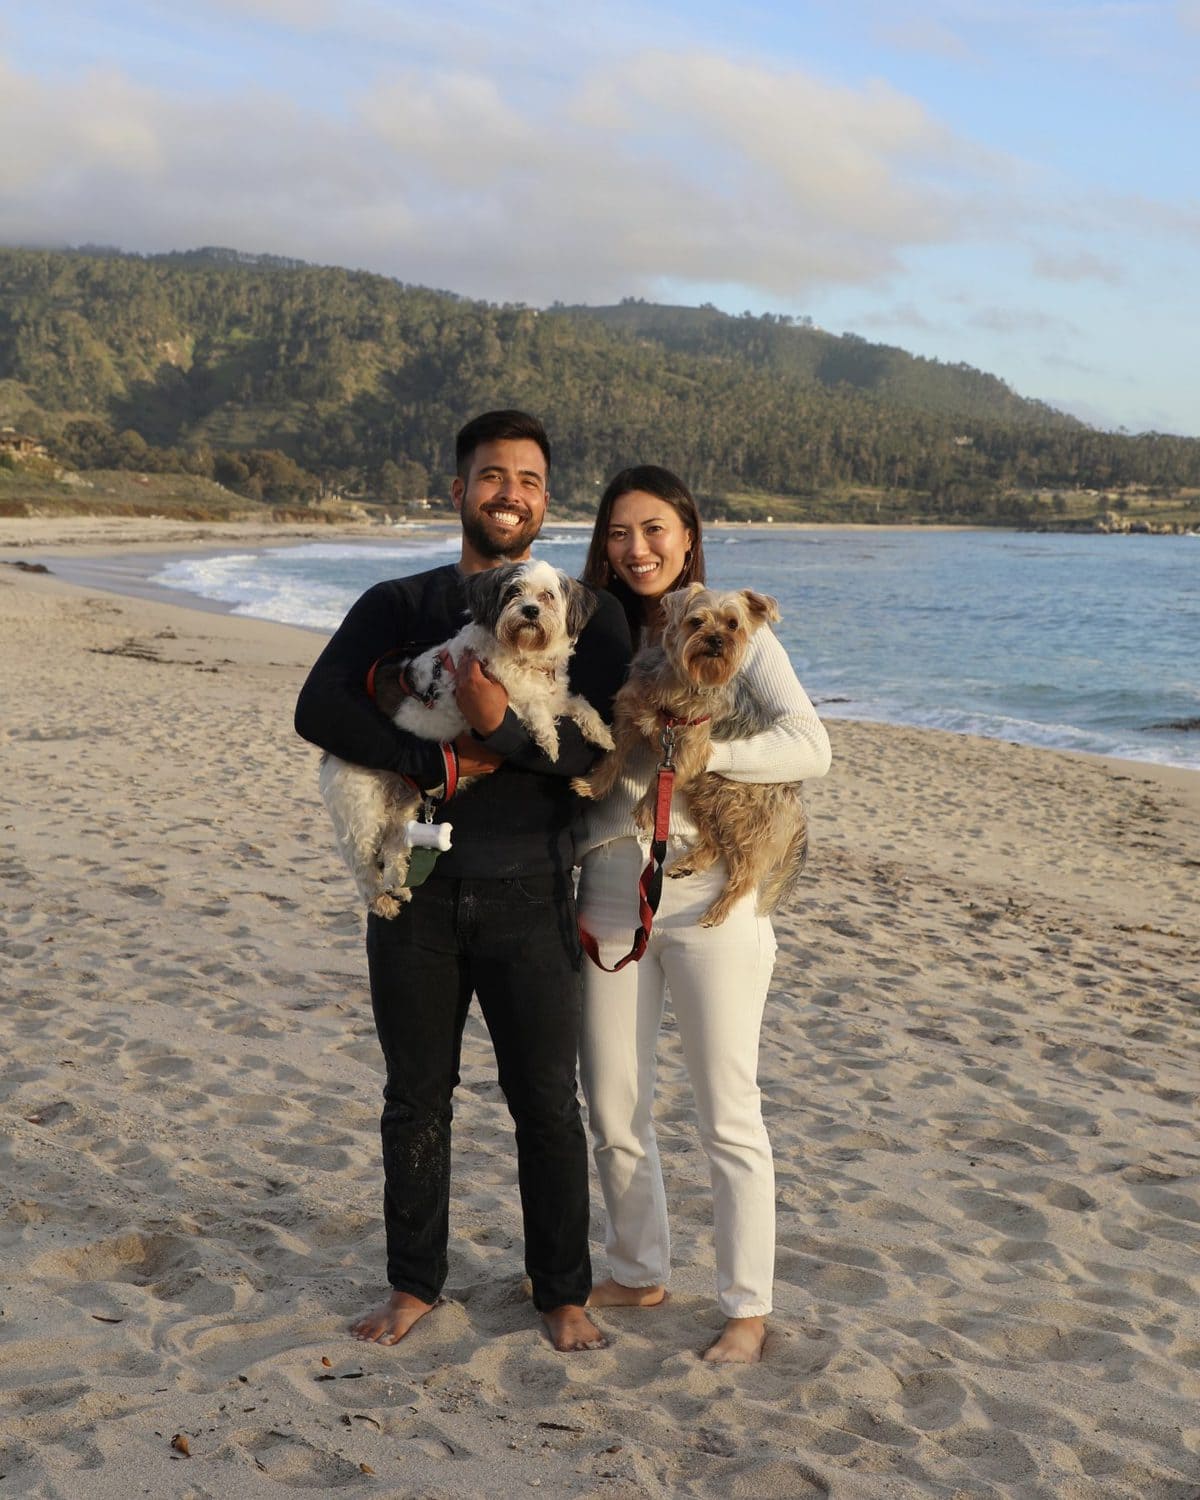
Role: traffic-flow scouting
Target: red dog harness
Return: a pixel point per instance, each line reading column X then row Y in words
column 650, row 882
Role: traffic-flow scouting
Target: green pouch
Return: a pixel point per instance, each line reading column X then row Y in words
column 420, row 866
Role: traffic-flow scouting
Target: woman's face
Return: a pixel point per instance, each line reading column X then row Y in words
column 647, row 543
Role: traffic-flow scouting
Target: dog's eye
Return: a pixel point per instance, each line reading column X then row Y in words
column 695, row 622
column 731, row 623
column 546, row 597
column 511, row 593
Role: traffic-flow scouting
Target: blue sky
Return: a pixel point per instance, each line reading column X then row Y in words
column 1006, row 183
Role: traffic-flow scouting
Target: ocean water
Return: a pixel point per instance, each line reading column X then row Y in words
column 1074, row 642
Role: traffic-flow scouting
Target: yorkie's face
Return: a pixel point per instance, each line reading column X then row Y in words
column 706, row 632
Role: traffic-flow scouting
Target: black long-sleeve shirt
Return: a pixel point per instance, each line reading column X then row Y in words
column 521, row 818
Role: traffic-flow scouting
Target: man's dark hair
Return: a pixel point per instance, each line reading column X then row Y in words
column 496, row 427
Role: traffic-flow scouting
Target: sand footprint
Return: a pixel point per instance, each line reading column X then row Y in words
column 291, row 1461
column 138, row 1258
column 991, row 1453
column 932, row 1399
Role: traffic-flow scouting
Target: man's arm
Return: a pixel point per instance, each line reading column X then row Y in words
column 334, row 710
column 598, row 667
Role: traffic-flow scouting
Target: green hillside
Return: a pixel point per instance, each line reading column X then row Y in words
column 281, row 381
column 794, row 349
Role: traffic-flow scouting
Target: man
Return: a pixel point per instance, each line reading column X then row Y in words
column 497, row 915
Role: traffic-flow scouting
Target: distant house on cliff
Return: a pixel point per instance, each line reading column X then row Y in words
column 20, row 445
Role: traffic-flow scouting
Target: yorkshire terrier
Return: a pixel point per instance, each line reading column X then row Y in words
column 692, row 677
column 525, row 618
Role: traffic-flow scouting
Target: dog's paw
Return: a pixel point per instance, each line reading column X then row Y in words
column 386, row 905
column 581, row 786
column 715, row 914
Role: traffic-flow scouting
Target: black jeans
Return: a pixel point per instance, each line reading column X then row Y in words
column 515, row 944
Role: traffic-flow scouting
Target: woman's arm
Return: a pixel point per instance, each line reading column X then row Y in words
column 795, row 747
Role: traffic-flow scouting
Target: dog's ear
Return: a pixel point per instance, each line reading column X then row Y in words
column 485, row 593
column 761, row 606
column 580, row 604
column 677, row 603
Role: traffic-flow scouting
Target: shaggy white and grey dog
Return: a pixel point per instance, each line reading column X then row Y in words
column 525, row 619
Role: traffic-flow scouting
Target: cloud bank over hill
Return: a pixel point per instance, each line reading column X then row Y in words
column 687, row 167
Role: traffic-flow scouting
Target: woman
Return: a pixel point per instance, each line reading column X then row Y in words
column 647, row 542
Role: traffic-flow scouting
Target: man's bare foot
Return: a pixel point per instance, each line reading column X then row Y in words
column 391, row 1320
column 611, row 1293
column 571, row 1330
column 741, row 1343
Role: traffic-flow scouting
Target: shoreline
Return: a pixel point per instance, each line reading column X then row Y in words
column 123, row 564
column 979, row 1070
column 120, row 555
column 126, row 574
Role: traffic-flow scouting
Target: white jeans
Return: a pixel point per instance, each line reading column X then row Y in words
column 718, row 980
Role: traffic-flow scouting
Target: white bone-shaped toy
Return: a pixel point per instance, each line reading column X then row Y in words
column 428, row 835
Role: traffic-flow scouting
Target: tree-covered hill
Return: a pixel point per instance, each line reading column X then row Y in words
column 275, row 378
column 794, row 348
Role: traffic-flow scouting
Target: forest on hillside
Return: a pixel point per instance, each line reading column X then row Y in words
column 282, row 381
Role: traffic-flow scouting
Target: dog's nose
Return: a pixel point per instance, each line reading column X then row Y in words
column 715, row 642
column 530, row 611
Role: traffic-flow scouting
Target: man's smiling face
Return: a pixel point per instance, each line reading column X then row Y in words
column 502, row 502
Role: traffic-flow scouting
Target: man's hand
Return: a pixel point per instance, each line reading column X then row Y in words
column 480, row 698
column 475, row 759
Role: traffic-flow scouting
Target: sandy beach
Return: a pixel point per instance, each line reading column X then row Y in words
column 980, row 1067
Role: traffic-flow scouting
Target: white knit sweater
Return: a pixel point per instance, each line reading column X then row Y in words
column 794, row 748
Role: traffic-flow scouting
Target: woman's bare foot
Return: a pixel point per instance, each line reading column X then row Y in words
column 391, row 1320
column 741, row 1343
column 611, row 1293
column 572, row 1331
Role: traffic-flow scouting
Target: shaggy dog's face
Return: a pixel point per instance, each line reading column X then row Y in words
column 706, row 632
column 530, row 608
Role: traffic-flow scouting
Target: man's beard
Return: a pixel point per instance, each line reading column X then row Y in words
column 493, row 544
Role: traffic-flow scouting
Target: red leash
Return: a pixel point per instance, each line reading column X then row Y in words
column 650, row 883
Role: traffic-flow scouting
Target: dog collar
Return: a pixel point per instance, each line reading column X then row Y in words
column 672, row 722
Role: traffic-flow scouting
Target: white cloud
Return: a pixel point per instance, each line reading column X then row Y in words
column 133, row 167
column 60, row 146
column 684, row 166
column 697, row 167
column 674, row 167
column 454, row 127
column 860, row 159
